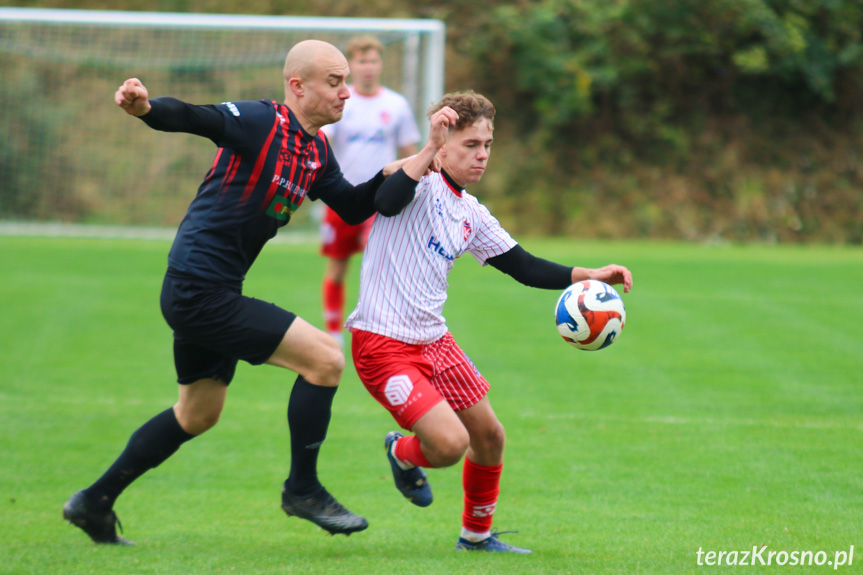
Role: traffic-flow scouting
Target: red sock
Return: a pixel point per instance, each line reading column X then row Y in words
column 481, row 488
column 408, row 450
column 334, row 305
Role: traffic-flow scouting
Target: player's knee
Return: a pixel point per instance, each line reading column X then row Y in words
column 329, row 366
column 495, row 436
column 450, row 447
column 198, row 421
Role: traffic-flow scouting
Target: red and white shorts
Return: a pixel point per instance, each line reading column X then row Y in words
column 409, row 379
column 340, row 240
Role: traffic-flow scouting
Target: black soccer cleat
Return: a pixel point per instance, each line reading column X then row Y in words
column 412, row 483
column 323, row 510
column 100, row 525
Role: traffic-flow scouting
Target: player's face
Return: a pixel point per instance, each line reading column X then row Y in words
column 366, row 69
column 465, row 155
column 326, row 92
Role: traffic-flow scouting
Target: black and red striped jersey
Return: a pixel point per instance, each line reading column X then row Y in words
column 265, row 167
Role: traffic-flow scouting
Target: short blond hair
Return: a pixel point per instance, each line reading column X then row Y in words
column 469, row 106
column 360, row 44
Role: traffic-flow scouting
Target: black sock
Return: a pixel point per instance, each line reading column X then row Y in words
column 308, row 418
column 150, row 445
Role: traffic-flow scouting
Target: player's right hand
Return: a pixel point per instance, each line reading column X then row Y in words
column 439, row 125
column 133, row 97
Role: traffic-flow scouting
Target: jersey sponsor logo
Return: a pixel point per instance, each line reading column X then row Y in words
column 398, row 389
column 281, row 209
column 295, row 191
column 232, row 107
column 438, row 207
column 466, row 230
column 435, row 246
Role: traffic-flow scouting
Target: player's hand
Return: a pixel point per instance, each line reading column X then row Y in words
column 439, row 125
column 613, row 274
column 133, row 97
column 394, row 166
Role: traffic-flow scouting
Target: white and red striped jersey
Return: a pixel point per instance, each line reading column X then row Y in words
column 403, row 282
column 371, row 132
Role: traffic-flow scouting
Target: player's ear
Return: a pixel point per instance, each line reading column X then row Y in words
column 296, row 86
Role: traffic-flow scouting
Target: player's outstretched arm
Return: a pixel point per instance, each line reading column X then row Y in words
column 133, row 97
column 611, row 274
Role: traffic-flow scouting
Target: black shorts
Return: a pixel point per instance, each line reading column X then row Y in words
column 215, row 326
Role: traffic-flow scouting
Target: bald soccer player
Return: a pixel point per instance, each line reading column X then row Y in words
column 270, row 157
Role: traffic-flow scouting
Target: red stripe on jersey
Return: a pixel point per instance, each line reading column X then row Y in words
column 280, row 164
column 215, row 163
column 259, row 163
column 309, row 176
column 230, row 173
column 295, row 148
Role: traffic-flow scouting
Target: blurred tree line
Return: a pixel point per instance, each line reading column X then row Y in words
column 708, row 120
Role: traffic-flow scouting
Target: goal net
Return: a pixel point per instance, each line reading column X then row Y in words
column 68, row 154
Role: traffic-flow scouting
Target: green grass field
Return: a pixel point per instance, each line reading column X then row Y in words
column 728, row 415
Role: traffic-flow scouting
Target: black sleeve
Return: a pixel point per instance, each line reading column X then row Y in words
column 173, row 115
column 395, row 193
column 531, row 270
column 354, row 204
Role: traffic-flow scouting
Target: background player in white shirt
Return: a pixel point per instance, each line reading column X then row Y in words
column 402, row 349
column 377, row 127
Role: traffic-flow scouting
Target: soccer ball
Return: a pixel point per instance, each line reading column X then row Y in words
column 589, row 315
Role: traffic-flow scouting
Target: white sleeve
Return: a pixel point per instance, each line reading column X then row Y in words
column 490, row 239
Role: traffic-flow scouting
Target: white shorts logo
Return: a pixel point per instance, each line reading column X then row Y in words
column 398, row 389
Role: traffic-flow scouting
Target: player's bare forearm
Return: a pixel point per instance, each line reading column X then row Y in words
column 133, row 97
column 611, row 274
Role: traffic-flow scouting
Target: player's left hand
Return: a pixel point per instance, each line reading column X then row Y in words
column 394, row 166
column 613, row 274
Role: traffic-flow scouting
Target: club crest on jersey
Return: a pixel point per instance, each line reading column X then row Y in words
column 467, row 230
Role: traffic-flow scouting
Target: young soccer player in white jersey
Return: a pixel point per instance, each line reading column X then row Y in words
column 402, row 349
column 377, row 127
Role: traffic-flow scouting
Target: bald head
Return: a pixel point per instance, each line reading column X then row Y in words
column 303, row 58
column 316, row 75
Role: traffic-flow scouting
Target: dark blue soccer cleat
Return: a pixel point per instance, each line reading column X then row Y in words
column 491, row 543
column 412, row 483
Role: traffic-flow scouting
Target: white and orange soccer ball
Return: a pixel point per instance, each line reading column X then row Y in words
column 590, row 315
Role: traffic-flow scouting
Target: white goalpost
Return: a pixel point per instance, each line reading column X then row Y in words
column 68, row 155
